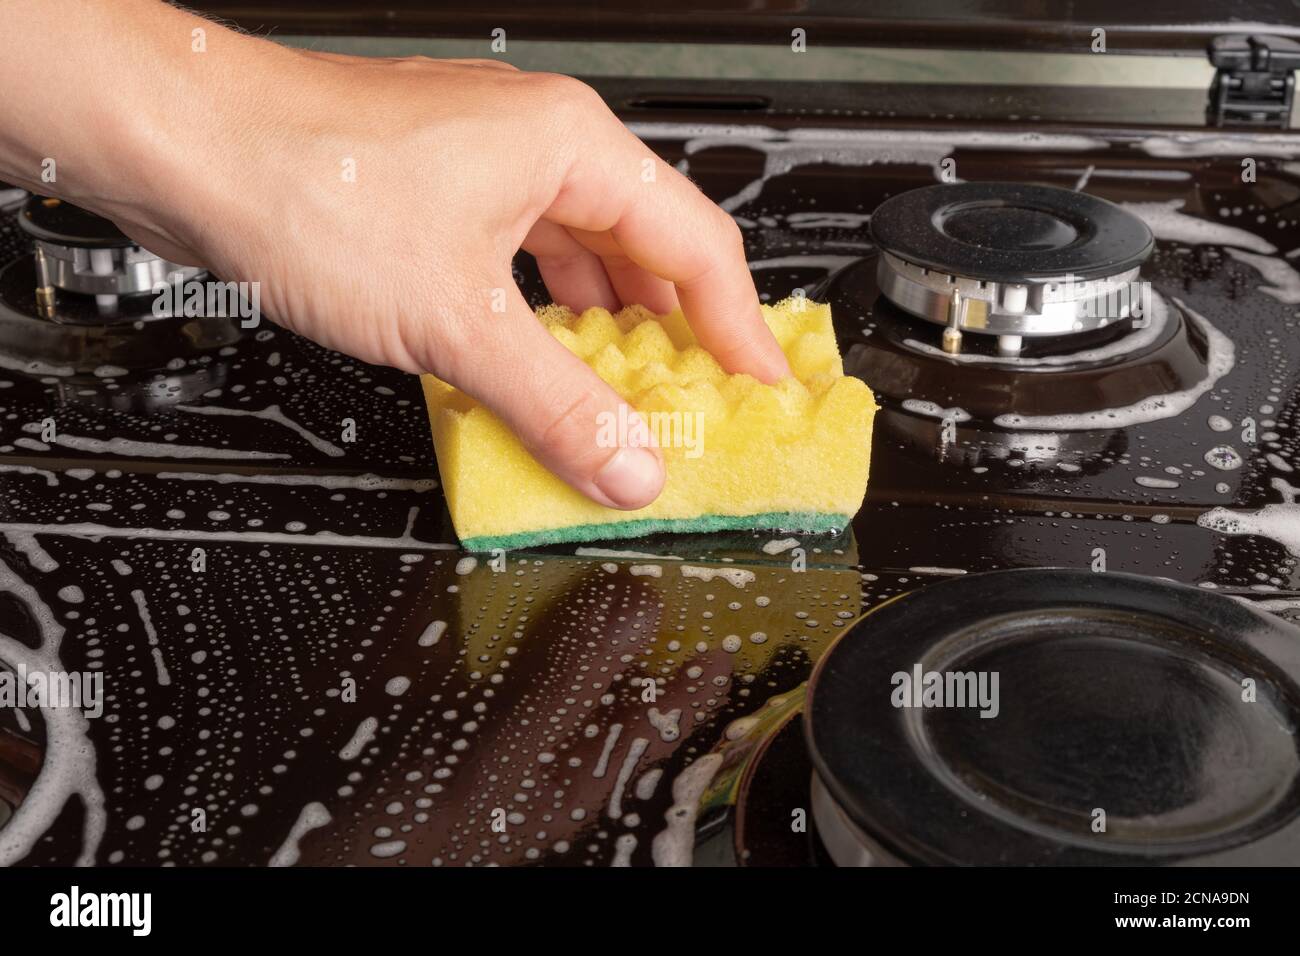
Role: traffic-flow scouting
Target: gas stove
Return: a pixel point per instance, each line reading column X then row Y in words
column 1084, row 344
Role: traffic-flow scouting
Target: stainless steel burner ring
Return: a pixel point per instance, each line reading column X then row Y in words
column 120, row 270
column 1059, row 306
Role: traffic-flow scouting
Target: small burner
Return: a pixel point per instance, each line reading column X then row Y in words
column 83, row 300
column 1112, row 368
column 78, row 251
column 1010, row 260
column 1132, row 721
column 777, row 783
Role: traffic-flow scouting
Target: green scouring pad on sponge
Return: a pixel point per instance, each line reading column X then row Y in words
column 739, row 454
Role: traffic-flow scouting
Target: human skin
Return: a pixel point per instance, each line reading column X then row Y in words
column 379, row 203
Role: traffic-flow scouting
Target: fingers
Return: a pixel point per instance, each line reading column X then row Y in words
column 633, row 284
column 717, row 305
column 565, row 415
column 636, row 286
column 667, row 227
column 573, row 274
column 585, row 269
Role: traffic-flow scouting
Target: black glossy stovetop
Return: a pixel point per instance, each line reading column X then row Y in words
column 300, row 666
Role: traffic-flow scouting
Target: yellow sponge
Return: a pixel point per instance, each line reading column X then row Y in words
column 739, row 454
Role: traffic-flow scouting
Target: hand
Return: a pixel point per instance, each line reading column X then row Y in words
column 379, row 202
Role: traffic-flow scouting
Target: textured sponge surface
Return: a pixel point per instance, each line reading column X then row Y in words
column 739, row 454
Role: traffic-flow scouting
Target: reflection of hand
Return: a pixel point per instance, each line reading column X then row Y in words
column 379, row 203
column 559, row 684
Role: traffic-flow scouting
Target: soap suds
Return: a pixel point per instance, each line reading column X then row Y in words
column 51, row 479
column 367, row 482
column 151, row 449
column 920, row 406
column 634, row 754
column 1276, row 522
column 160, row 667
column 1222, row 355
column 313, row 817
column 1185, row 145
column 1283, row 281
column 610, row 553
column 779, row 546
column 675, row 844
column 667, row 723
column 431, row 634
column 26, row 545
column 271, row 413
column 611, row 739
column 86, row 529
column 647, row 783
column 362, row 737
column 1168, row 222
column 736, row 577
column 623, row 848
column 69, row 765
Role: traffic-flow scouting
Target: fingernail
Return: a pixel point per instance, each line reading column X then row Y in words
column 631, row 479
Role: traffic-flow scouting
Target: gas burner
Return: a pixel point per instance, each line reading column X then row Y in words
column 777, row 783
column 973, row 392
column 1009, row 260
column 77, row 251
column 1132, row 721
column 83, row 304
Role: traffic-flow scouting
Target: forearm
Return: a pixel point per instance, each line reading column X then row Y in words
column 110, row 104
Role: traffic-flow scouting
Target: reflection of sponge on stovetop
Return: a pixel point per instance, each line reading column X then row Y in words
column 739, row 454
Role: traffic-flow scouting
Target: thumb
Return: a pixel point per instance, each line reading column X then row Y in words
column 560, row 409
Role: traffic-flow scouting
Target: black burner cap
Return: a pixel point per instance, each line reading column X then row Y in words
column 1169, row 709
column 1010, row 232
column 53, row 220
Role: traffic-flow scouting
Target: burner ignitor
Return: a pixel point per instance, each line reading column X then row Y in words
column 1011, row 260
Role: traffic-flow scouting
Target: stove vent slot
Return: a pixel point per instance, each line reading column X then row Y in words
column 699, row 101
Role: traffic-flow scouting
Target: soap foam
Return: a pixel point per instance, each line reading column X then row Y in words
column 271, row 413
column 313, row 817
column 1283, row 281
column 1221, row 357
column 361, row 738
column 1167, row 222
column 69, row 765
column 736, row 577
column 675, row 844
column 1185, row 145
